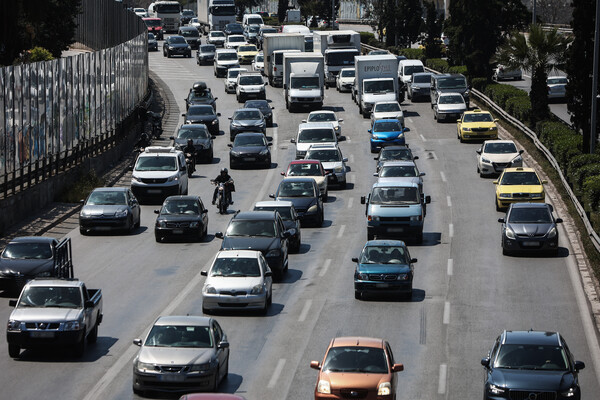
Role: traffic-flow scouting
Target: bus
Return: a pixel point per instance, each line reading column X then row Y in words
column 168, row 11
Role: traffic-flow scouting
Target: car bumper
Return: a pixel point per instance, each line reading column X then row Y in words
column 250, row 159
column 383, row 287
column 496, row 168
column 346, row 87
column 420, row 94
column 506, row 202
column 178, row 232
column 530, row 244
column 230, row 87
column 206, row 59
column 229, row 302
column 103, row 224
column 337, row 395
column 166, row 382
column 308, row 218
column 390, row 230
column 377, row 144
column 489, row 135
column 336, row 178
column 154, row 192
column 246, row 59
column 44, row 338
column 452, row 115
column 253, row 95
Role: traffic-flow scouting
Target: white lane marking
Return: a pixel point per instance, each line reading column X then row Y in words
column 451, row 230
column 350, row 202
column 261, row 193
column 449, row 200
column 125, row 359
column 325, row 267
column 276, row 373
column 450, row 267
column 443, row 175
column 305, row 311
column 351, row 158
column 442, row 381
column 446, row 318
column 409, row 120
column 423, row 138
column 434, row 155
column 527, row 76
column 341, row 231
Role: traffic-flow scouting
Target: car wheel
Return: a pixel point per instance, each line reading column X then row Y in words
column 343, row 185
column 79, row 348
column 419, row 238
column 83, row 231
column 210, row 157
column 265, row 308
column 357, row 295
column 205, row 310
column 408, row 296
column 158, row 238
column 130, row 226
column 93, row 336
column 460, row 138
column 14, row 351
column 168, row 54
column 505, row 252
column 370, row 236
column 497, row 205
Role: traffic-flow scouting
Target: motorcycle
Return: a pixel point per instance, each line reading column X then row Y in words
column 190, row 163
column 156, row 121
column 222, row 202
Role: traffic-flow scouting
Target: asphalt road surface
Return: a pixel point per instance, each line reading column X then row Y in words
column 466, row 292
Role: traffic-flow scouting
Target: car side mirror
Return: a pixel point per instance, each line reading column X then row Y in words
column 183, row 115
column 397, row 367
column 272, row 195
column 478, row 151
column 369, row 130
column 415, row 157
column 376, row 158
column 485, row 362
column 375, row 174
column 458, row 120
column 272, row 108
column 12, row 303
column 282, row 173
column 130, row 168
column 172, row 137
column 156, row 211
column 216, row 98
column 137, row 342
column 315, row 365
column 303, row 121
column 427, row 199
column 363, row 200
column 355, row 259
column 340, row 120
column 268, row 273
column 293, row 140
column 229, row 145
column 501, row 220
column 81, row 201
column 495, row 182
column 558, row 220
column 345, row 159
column 204, row 273
column 219, row 235
column 269, row 144
column 544, row 182
column 223, row 345
column 579, row 365
column 521, row 151
column 213, row 137
column 413, row 260
column 422, row 174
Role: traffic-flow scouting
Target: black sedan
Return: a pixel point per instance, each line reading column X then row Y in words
column 200, row 94
column 290, row 219
column 529, row 227
column 394, row 153
column 110, row 208
column 531, row 365
column 152, row 43
column 203, row 141
column 191, row 35
column 247, row 120
column 206, row 54
column 25, row 258
column 181, row 217
column 265, row 108
column 203, row 114
column 176, row 46
column 249, row 148
column 304, row 194
column 233, row 29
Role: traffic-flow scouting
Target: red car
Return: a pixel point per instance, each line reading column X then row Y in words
column 311, row 168
column 154, row 26
column 211, row 396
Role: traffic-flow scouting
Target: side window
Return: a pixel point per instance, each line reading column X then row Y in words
column 86, row 297
column 494, row 349
column 200, row 205
column 389, row 350
column 217, row 333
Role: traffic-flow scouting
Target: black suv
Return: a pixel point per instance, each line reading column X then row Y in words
column 531, row 365
column 259, row 230
column 200, row 94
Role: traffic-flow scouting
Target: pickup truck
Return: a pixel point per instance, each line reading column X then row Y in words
column 54, row 313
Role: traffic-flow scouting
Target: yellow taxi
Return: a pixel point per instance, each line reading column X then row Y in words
column 477, row 125
column 517, row 185
column 246, row 53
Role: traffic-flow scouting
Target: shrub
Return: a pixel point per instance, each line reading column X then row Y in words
column 40, row 54
column 458, row 69
column 437, row 64
column 82, row 187
column 580, row 175
column 579, row 161
column 591, row 192
column 366, row 37
column 501, row 93
column 479, row 83
column 548, row 131
column 413, row 54
column 565, row 147
column 519, row 107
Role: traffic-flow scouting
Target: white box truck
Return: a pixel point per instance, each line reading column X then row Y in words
column 339, row 49
column 292, row 16
column 279, row 41
column 376, row 80
column 303, row 79
column 213, row 15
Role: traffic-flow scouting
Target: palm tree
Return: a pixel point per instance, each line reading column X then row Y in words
column 540, row 53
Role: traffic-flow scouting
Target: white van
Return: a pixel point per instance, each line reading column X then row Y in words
column 295, row 29
column 405, row 70
column 252, row 19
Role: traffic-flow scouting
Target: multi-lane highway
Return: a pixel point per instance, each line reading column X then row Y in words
column 466, row 292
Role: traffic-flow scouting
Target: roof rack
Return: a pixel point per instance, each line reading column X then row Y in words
column 160, row 149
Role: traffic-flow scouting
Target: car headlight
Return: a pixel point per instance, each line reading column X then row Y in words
column 505, row 195
column 552, row 233
column 312, row 209
column 466, row 94
column 194, row 224
column 485, row 160
column 372, row 218
column 44, row 274
column 375, row 137
column 242, row 89
column 171, row 48
column 493, row 389
column 135, row 178
column 264, row 152
column 401, row 135
column 14, row 326
column 537, row 195
column 337, row 128
column 274, row 253
column 363, row 277
column 214, row 122
column 85, row 213
column 173, row 178
column 324, row 387
column 466, row 129
column 384, row 389
column 493, row 128
column 415, row 217
column 402, row 277
column 235, row 153
column 510, row 233
column 121, row 214
column 161, row 224
column 235, row 124
column 517, row 160
column 569, row 392
column 72, row 326
column 209, row 289
column 258, row 289
column 339, row 168
column 145, row 367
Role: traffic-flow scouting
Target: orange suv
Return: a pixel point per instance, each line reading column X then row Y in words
column 357, row 367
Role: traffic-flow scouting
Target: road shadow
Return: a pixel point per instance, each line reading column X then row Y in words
column 331, row 199
column 418, row 295
column 563, row 252
column 273, row 310
column 304, row 248
column 326, row 223
column 230, row 384
column 334, row 108
column 410, row 114
column 291, row 276
column 93, row 352
column 134, row 232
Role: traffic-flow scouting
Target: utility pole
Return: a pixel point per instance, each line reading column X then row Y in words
column 593, row 137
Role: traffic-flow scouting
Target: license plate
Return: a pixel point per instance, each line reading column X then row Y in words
column 249, row 159
column 43, row 335
column 531, row 244
column 172, row 378
column 154, row 191
column 103, row 228
column 395, row 229
column 383, row 285
column 177, row 231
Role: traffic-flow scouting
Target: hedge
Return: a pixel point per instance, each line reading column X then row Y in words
column 458, row 69
column 591, row 192
column 366, row 37
column 501, row 93
column 479, row 84
column 413, row 54
column 519, row 107
column 579, row 176
column 579, row 161
column 437, row 64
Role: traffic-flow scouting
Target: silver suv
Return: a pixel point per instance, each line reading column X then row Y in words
column 159, row 172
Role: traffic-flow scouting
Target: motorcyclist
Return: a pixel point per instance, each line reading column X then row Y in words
column 191, row 150
column 223, row 177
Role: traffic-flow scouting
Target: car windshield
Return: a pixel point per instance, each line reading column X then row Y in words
column 321, row 117
column 259, row 58
column 217, row 34
column 533, row 356
column 556, row 81
column 254, row 28
column 156, row 163
column 194, row 20
column 152, row 22
column 412, row 69
column 396, row 154
column 233, row 73
column 452, row 83
column 151, row 36
column 324, row 155
column 235, row 267
column 397, row 171
column 394, row 195
column 387, row 126
column 207, row 48
column 247, row 48
column 178, row 207
column 227, row 56
column 384, row 255
column 236, row 39
column 195, row 111
column 251, row 227
column 284, row 212
column 199, row 95
column 106, row 198
column 385, row 86
column 268, row 30
column 189, row 33
column 536, row 215
column 251, row 80
column 520, row 178
column 257, row 104
column 387, row 107
column 308, row 169
column 249, row 141
column 308, row 82
column 500, row 148
column 348, row 73
column 192, row 133
column 316, row 135
column 254, row 21
column 179, row 336
column 247, row 115
column 55, row 297
column 176, row 40
column 452, row 99
column 296, row 189
column 341, row 58
column 28, row 251
column 187, row 13
column 356, row 359
column 478, row 117
column 421, row 79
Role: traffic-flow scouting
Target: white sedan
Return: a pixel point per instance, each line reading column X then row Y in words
column 325, row 116
column 387, row 110
column 495, row 155
column 258, row 64
column 237, row 279
column 345, row 80
column 235, row 41
column 557, row 87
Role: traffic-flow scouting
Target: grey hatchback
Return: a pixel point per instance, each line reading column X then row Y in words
column 529, row 227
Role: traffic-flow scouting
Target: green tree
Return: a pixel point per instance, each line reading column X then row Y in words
column 318, row 8
column 399, row 19
column 282, row 7
column 579, row 69
column 409, row 22
column 433, row 30
column 242, row 5
column 541, row 52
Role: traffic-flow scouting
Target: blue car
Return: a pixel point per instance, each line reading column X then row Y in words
column 386, row 132
column 385, row 267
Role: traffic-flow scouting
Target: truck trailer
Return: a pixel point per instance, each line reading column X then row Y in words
column 213, row 15
column 376, row 80
column 339, row 49
column 279, row 41
column 303, row 79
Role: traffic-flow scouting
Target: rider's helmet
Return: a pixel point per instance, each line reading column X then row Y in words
column 224, row 171
column 190, row 142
